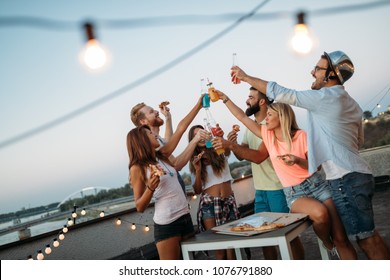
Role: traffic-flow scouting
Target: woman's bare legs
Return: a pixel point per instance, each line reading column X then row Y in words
column 319, row 214
column 169, row 249
column 339, row 236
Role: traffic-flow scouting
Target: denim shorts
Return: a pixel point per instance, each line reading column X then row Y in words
column 208, row 211
column 352, row 195
column 270, row 201
column 315, row 187
column 181, row 227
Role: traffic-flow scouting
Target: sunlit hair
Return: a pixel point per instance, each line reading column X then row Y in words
column 262, row 96
column 288, row 123
column 141, row 151
column 216, row 161
column 136, row 115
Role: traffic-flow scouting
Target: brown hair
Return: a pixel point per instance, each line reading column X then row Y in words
column 262, row 96
column 216, row 161
column 140, row 150
column 136, row 115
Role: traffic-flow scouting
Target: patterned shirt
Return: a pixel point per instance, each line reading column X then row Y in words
column 221, row 209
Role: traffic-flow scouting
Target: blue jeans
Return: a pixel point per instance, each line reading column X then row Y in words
column 352, row 195
column 270, row 201
column 315, row 187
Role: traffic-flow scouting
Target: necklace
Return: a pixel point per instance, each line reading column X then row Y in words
column 169, row 171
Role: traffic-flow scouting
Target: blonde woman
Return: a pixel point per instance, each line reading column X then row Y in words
column 286, row 146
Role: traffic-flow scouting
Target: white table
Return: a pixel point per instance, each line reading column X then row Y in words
column 281, row 237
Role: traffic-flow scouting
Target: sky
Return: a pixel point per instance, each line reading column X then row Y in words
column 42, row 79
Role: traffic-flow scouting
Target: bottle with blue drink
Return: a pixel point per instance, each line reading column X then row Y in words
column 206, row 101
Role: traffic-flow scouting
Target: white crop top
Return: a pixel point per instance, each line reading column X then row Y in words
column 213, row 179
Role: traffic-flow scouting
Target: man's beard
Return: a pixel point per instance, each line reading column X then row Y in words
column 252, row 110
column 158, row 122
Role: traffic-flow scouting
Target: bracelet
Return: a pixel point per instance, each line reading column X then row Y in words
column 226, row 99
column 150, row 189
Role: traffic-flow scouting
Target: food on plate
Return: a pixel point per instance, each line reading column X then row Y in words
column 163, row 104
column 248, row 227
column 156, row 169
column 236, row 127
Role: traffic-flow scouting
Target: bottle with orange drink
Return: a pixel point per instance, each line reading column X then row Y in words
column 214, row 97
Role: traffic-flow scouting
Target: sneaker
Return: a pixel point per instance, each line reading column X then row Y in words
column 333, row 252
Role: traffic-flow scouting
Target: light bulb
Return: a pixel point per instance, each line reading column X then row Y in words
column 101, row 214
column 70, row 222
column 301, row 41
column 65, row 229
column 56, row 243
column 83, row 212
column 48, row 249
column 147, row 228
column 133, row 226
column 94, row 55
column 118, row 222
column 194, row 197
column 40, row 255
column 74, row 214
column 30, row 258
column 61, row 236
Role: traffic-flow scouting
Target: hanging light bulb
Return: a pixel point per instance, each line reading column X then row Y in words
column 30, row 258
column 48, row 249
column 101, row 214
column 56, row 243
column 70, row 222
column 74, row 214
column 194, row 197
column 94, row 56
column 83, row 212
column 118, row 221
column 146, row 228
column 61, row 236
column 40, row 255
column 302, row 41
column 133, row 226
column 65, row 229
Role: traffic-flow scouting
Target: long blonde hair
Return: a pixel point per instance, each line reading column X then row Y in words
column 288, row 123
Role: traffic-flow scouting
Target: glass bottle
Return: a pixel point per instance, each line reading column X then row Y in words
column 214, row 97
column 211, row 126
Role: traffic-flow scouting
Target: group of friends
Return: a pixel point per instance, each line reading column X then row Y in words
column 318, row 172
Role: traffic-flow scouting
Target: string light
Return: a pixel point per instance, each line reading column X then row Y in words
column 56, row 243
column 94, row 55
column 101, row 214
column 301, row 41
column 48, row 249
column 133, row 227
column 30, row 258
column 70, row 222
column 65, row 229
column 61, row 236
column 146, row 229
column 83, row 212
column 40, row 255
column 118, row 221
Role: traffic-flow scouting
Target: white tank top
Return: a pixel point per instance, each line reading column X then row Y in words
column 212, row 179
column 170, row 201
